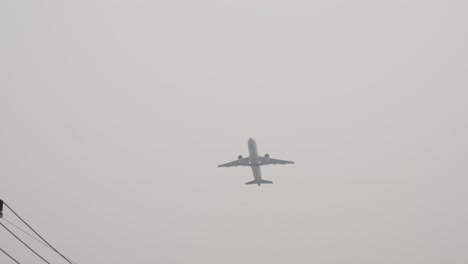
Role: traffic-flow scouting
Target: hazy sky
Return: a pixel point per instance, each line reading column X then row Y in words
column 115, row 114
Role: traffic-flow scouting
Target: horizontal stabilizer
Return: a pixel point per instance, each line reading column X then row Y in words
column 258, row 182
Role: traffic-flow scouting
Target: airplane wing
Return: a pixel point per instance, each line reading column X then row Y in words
column 243, row 162
column 264, row 161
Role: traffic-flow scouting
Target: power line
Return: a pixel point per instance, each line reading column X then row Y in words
column 25, row 232
column 37, row 234
column 31, row 236
column 9, row 256
column 25, row 244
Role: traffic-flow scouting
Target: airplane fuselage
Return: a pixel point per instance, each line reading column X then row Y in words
column 254, row 161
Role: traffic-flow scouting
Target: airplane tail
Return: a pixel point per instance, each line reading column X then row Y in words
column 258, row 182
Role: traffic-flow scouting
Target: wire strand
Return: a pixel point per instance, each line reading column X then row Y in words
column 30, row 235
column 9, row 256
column 37, row 233
column 37, row 254
column 25, row 232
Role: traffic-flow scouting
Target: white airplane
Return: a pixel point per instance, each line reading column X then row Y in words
column 254, row 161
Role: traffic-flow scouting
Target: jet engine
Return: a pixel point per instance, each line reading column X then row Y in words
column 267, row 157
column 240, row 158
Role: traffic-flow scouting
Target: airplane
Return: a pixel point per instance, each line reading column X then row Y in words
column 254, row 161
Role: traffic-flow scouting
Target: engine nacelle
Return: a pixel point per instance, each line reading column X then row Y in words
column 267, row 157
column 240, row 158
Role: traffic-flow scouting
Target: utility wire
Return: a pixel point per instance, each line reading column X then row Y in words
column 9, row 256
column 37, row 234
column 25, row 244
column 22, row 230
column 30, row 235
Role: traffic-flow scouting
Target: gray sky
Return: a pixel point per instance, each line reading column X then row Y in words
column 115, row 114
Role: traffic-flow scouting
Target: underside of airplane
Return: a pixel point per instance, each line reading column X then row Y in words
column 255, row 161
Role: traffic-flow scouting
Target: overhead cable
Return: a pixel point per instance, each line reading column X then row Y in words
column 37, row 254
column 25, row 232
column 9, row 256
column 38, row 234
